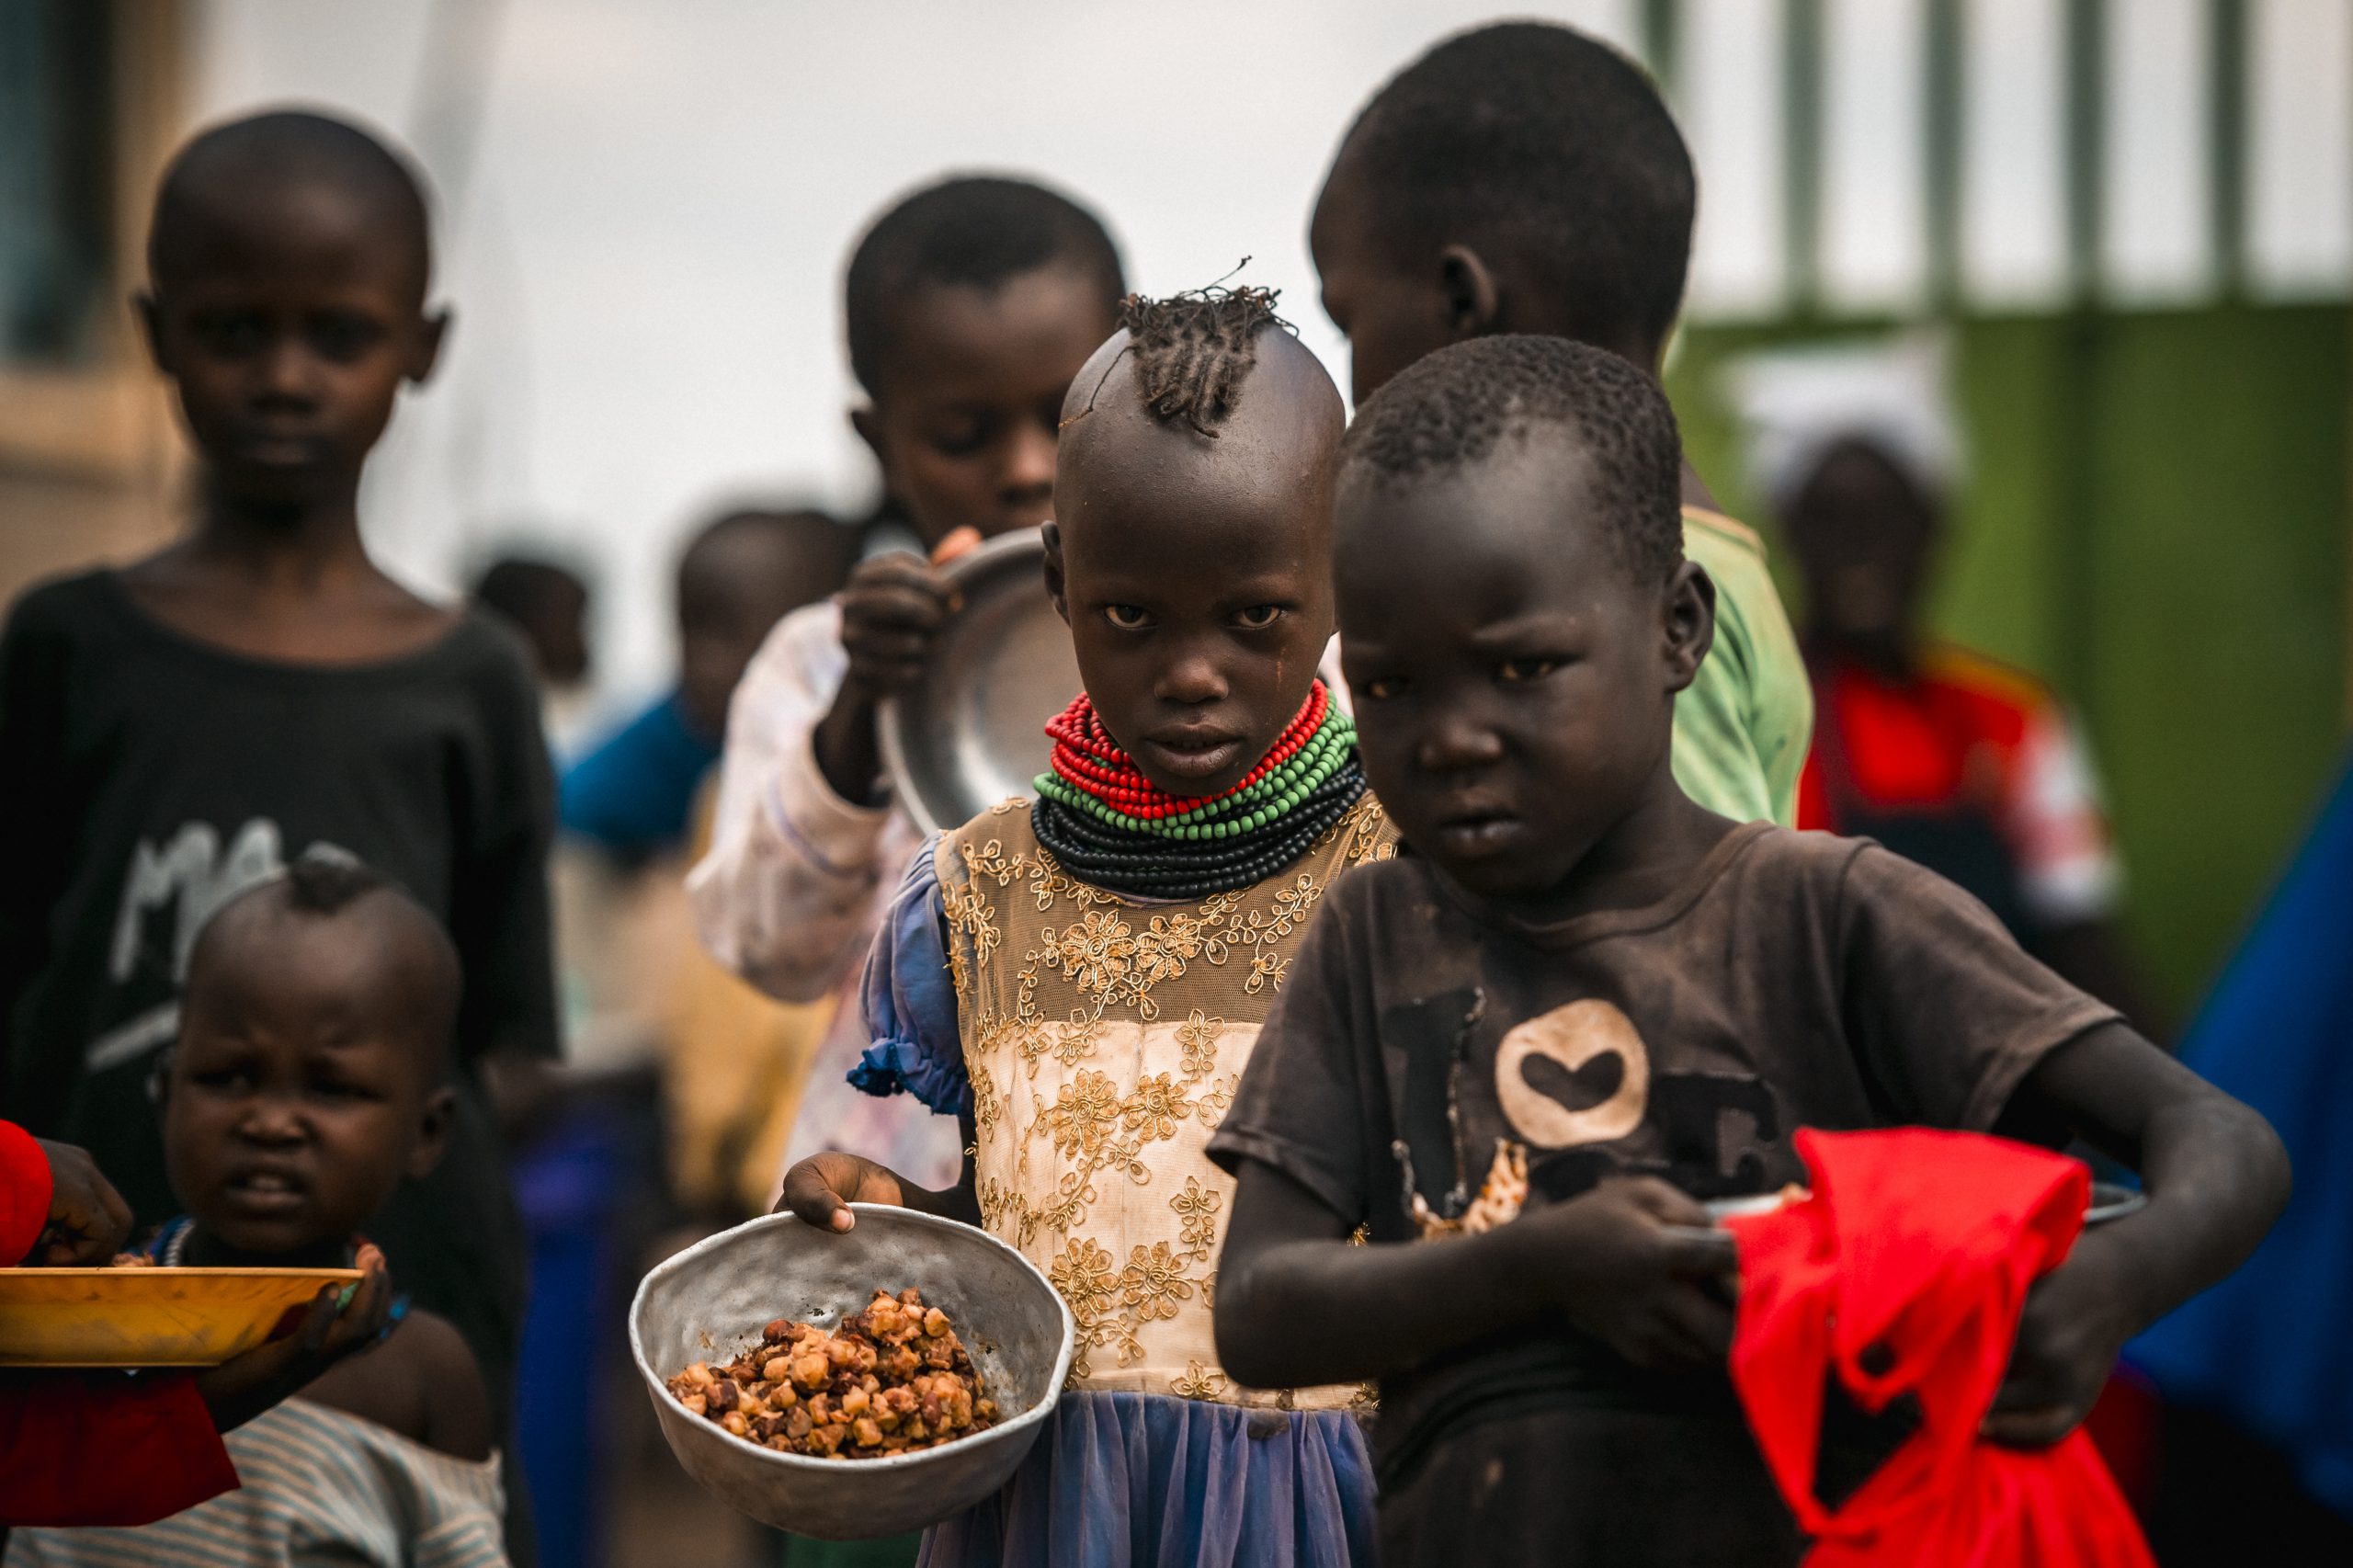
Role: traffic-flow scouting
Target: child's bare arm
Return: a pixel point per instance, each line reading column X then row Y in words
column 457, row 1411
column 2216, row 1175
column 820, row 1189
column 1632, row 1263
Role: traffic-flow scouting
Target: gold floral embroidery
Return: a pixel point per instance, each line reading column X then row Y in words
column 997, row 1202
column 1057, row 997
column 1197, row 1037
column 1197, row 1381
column 1073, row 1192
column 1156, row 1108
column 986, row 1105
column 1083, row 1274
column 1082, row 1115
column 1094, row 953
column 1154, row 1281
column 1211, row 1106
column 1197, row 1208
column 1164, row 947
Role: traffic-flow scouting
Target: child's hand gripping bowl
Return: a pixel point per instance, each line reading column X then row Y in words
column 1638, row 1265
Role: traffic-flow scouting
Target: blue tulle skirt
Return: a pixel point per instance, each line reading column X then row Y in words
column 1150, row 1481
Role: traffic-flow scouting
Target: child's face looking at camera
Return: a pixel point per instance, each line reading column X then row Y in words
column 1195, row 573
column 1513, row 682
column 965, row 420
column 289, row 315
column 303, row 1087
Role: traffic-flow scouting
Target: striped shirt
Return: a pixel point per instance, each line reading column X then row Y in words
column 318, row 1487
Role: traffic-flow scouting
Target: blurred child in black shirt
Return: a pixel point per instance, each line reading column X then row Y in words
column 176, row 729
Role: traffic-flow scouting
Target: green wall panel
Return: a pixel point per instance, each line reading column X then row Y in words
column 2156, row 522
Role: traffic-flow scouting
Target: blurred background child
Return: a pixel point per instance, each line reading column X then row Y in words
column 306, row 1085
column 635, row 812
column 1527, row 177
column 632, row 793
column 969, row 304
column 1965, row 765
column 546, row 605
column 179, row 729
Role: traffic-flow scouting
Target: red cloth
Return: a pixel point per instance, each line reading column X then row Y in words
column 1918, row 1246
column 25, row 1188
column 93, row 1449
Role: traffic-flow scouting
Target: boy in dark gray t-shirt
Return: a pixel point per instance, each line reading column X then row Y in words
column 1582, row 1004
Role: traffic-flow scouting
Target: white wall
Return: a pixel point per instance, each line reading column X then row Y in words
column 646, row 203
column 644, row 242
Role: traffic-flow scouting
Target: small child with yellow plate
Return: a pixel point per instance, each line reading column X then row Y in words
column 305, row 1084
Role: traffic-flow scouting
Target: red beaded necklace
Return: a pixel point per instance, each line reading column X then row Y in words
column 1090, row 761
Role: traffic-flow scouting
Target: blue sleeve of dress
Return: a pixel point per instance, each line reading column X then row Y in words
column 910, row 1000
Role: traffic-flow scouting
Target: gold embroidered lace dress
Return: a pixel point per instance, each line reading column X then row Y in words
column 1103, row 1038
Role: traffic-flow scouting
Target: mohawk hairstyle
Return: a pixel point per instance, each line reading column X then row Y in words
column 1547, row 144
column 980, row 230
column 319, row 884
column 1456, row 406
column 323, row 885
column 1193, row 350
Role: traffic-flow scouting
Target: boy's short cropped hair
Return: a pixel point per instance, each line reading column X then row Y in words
column 1456, row 406
column 291, row 146
column 979, row 230
column 1537, row 139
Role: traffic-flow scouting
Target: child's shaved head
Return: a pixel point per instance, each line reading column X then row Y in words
column 1183, row 360
column 232, row 178
column 407, row 950
column 1191, row 550
column 1207, row 388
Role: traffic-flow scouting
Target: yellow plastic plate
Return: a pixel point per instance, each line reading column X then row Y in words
column 147, row 1317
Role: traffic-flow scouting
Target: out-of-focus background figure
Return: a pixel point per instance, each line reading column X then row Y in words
column 631, row 794
column 1964, row 763
column 545, row 604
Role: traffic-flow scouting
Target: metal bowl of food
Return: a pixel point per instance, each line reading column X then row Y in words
column 972, row 731
column 711, row 1302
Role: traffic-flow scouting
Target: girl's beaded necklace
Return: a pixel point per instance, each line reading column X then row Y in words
column 1107, row 822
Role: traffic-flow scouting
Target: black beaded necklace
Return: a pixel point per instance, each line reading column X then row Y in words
column 1150, row 865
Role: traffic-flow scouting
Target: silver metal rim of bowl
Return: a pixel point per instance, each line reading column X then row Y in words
column 892, row 721
column 657, row 1387
column 2108, row 1201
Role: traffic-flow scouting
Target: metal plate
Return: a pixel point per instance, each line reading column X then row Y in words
column 709, row 1302
column 2108, row 1201
column 2111, row 1200
column 973, row 730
